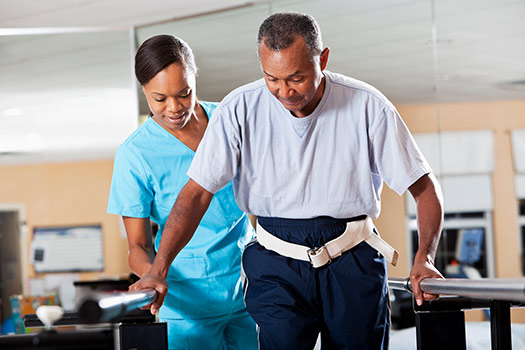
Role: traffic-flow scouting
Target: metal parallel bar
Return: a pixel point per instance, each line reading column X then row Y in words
column 485, row 288
column 400, row 284
column 501, row 294
column 107, row 307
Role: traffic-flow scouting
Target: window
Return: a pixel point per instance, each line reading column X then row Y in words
column 521, row 224
column 465, row 246
column 518, row 149
column 463, row 162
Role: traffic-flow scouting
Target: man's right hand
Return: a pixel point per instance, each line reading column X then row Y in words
column 156, row 282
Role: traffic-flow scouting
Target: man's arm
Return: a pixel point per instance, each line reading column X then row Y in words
column 429, row 200
column 186, row 214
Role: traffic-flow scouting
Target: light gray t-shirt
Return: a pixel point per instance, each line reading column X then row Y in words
column 332, row 162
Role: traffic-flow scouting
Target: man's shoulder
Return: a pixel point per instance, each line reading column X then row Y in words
column 355, row 86
column 248, row 92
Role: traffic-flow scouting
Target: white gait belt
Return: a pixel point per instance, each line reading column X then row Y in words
column 355, row 233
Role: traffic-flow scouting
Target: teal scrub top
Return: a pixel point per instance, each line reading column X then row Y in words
column 149, row 171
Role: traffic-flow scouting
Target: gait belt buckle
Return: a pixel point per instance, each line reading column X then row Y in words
column 319, row 256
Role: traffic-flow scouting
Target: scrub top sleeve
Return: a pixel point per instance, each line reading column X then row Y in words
column 130, row 194
column 217, row 158
column 396, row 155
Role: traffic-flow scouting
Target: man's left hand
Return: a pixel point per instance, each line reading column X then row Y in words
column 423, row 268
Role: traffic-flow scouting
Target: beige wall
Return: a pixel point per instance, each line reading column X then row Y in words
column 500, row 117
column 67, row 194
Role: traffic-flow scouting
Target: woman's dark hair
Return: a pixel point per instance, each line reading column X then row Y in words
column 160, row 51
column 280, row 30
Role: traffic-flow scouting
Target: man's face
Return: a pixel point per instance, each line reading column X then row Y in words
column 292, row 78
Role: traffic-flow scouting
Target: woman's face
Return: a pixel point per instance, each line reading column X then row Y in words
column 171, row 96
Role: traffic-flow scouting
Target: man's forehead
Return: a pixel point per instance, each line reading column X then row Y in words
column 297, row 72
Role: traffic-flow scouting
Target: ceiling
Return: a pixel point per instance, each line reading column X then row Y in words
column 67, row 91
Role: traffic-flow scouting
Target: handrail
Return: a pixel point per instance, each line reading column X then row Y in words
column 484, row 288
column 107, row 307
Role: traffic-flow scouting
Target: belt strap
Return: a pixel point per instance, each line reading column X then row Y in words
column 355, row 233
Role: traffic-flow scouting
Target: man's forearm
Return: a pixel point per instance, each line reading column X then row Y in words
column 185, row 216
column 430, row 222
column 429, row 200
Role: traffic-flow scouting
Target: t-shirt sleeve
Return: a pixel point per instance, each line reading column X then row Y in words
column 217, row 157
column 396, row 155
column 130, row 194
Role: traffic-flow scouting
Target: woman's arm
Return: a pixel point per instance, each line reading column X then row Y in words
column 186, row 214
column 141, row 254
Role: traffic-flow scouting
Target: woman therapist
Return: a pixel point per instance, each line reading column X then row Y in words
column 204, row 307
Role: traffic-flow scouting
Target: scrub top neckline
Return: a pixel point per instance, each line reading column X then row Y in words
column 176, row 138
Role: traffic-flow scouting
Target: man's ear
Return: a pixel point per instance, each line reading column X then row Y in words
column 324, row 57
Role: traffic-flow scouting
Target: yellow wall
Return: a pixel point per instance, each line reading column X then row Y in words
column 67, row 194
column 500, row 117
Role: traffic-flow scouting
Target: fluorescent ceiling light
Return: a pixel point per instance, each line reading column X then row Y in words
column 56, row 30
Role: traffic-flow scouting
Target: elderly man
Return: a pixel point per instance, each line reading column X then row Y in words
column 308, row 151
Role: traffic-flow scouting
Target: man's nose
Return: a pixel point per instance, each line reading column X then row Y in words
column 285, row 90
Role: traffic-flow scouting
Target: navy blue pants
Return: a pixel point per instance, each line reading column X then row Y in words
column 291, row 302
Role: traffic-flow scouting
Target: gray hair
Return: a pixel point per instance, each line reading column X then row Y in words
column 280, row 30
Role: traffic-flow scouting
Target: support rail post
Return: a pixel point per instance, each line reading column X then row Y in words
column 500, row 332
column 443, row 329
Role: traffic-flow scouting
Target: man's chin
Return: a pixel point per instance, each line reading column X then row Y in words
column 292, row 107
